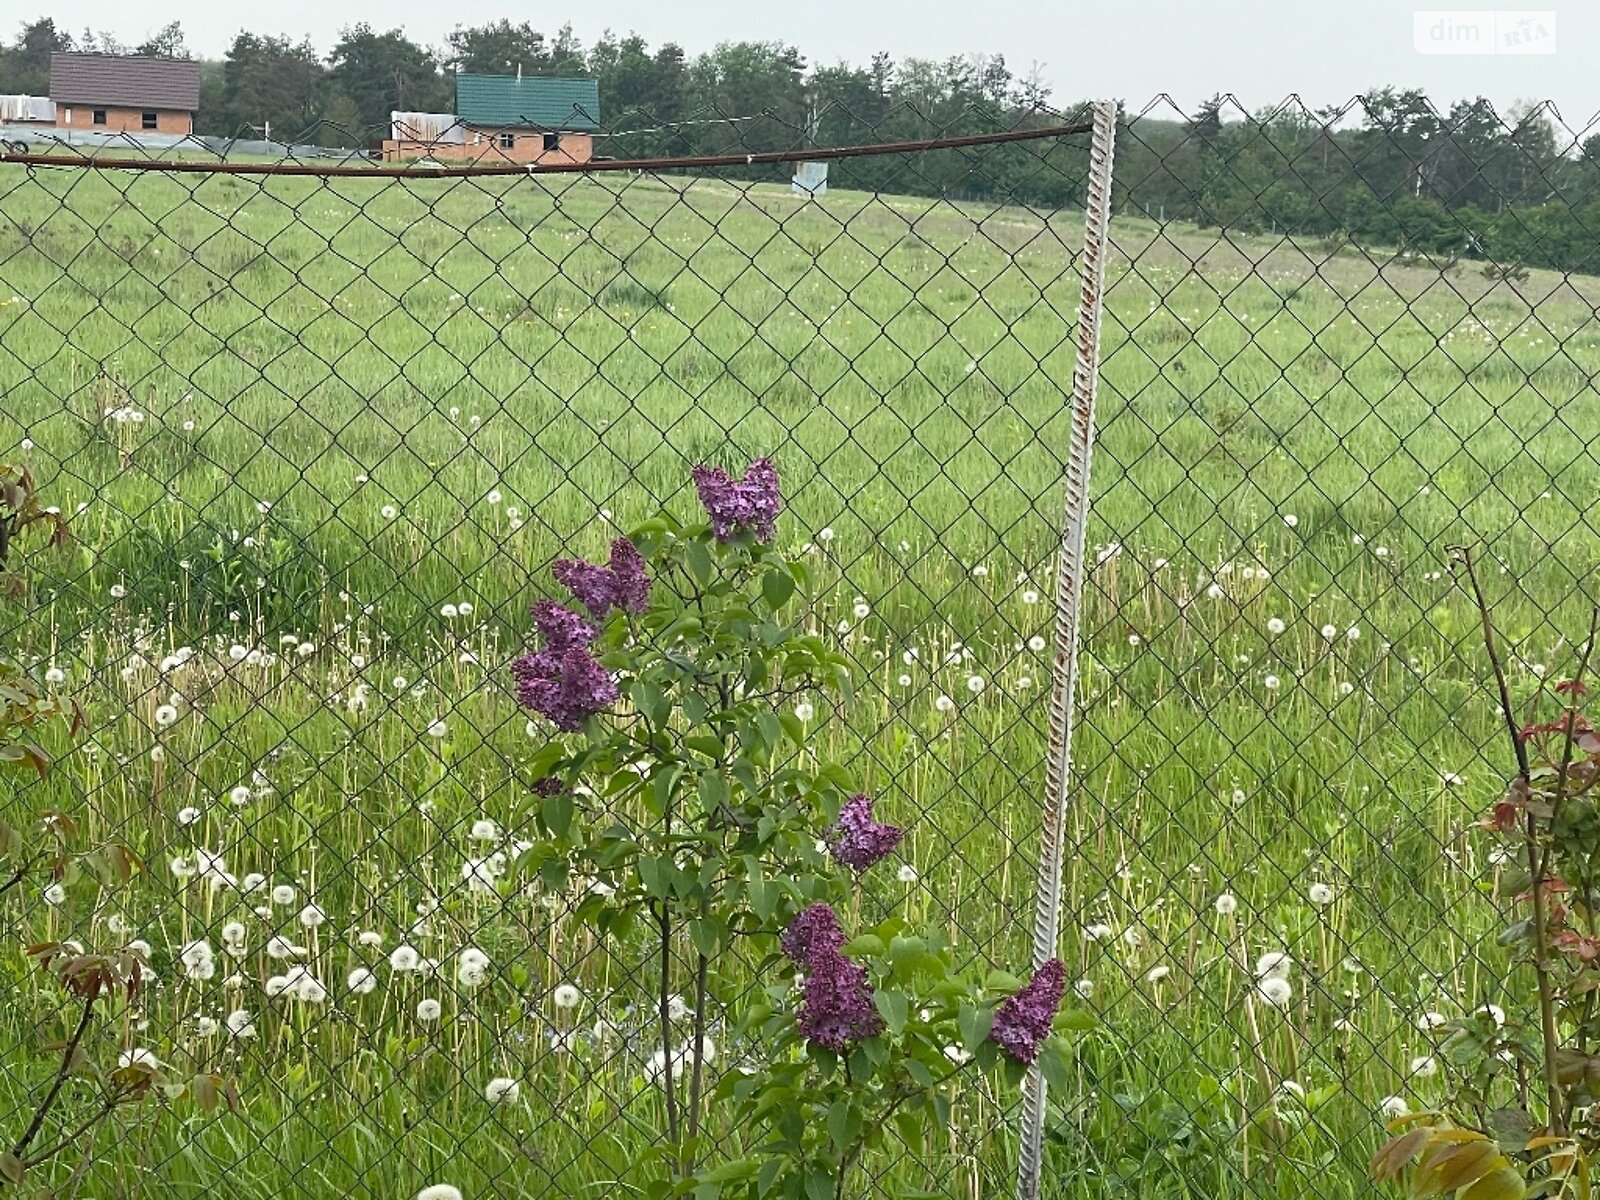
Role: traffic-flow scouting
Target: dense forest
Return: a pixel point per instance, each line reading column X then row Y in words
column 1392, row 169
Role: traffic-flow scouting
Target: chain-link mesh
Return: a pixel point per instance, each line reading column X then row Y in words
column 319, row 437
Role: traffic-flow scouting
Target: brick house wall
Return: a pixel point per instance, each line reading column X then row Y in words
column 490, row 145
column 122, row 120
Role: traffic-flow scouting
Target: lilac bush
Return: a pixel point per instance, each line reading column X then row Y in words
column 563, row 680
column 1023, row 1021
column 735, row 506
column 674, row 701
column 622, row 583
column 858, row 841
column 815, row 931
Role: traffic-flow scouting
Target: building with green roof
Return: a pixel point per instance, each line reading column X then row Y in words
column 507, row 118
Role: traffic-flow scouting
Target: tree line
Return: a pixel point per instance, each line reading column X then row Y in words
column 1393, row 171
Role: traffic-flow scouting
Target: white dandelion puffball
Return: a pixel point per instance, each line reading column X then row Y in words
column 805, row 710
column 370, row 938
column 1274, row 964
column 438, row 729
column 566, row 996
column 240, row 795
column 1330, row 632
column 55, row 894
column 1036, row 643
column 1424, row 1066
column 308, row 989
column 241, row 1024
column 906, row 874
column 1226, row 905
column 502, row 1091
column 1276, row 991
column 138, row 1057
column 1272, row 682
column 428, row 1010
column 1290, row 520
column 404, row 958
column 944, row 704
column 1320, row 894
column 1275, row 625
column 1393, row 1106
column 166, row 716
column 439, row 1191
column 484, row 830
column 311, row 916
column 282, row 894
column 362, row 981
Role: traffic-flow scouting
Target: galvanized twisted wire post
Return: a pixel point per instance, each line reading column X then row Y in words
column 1069, row 588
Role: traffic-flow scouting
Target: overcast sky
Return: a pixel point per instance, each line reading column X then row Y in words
column 1262, row 50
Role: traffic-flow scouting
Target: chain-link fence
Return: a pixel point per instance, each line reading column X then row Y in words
column 318, row 437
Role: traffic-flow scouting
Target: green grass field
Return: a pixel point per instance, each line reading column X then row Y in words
column 293, row 421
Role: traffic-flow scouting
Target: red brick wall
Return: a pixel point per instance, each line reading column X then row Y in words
column 525, row 148
column 122, row 120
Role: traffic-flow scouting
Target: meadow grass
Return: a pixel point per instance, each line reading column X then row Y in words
column 320, row 439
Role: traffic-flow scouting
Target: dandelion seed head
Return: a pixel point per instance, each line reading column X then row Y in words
column 502, row 1091
column 1275, row 990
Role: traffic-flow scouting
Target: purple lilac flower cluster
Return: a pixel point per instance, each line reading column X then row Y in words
column 563, row 680
column 621, row 583
column 836, row 1006
column 1022, row 1022
column 736, row 505
column 814, row 931
column 858, row 841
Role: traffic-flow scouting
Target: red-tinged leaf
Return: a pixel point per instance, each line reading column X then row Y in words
column 1397, row 1154
column 203, row 1088
column 1454, row 1167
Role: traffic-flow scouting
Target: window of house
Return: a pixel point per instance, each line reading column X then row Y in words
column 67, row 120
column 508, row 141
column 99, row 116
column 552, row 141
column 147, row 120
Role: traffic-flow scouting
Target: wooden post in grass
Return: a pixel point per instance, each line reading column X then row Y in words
column 1069, row 588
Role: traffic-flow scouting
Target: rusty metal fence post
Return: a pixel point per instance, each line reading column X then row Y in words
column 1069, row 589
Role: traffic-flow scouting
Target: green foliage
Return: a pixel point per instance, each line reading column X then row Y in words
column 724, row 850
column 1521, row 1077
column 385, row 72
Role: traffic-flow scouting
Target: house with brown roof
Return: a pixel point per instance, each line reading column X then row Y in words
column 124, row 93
